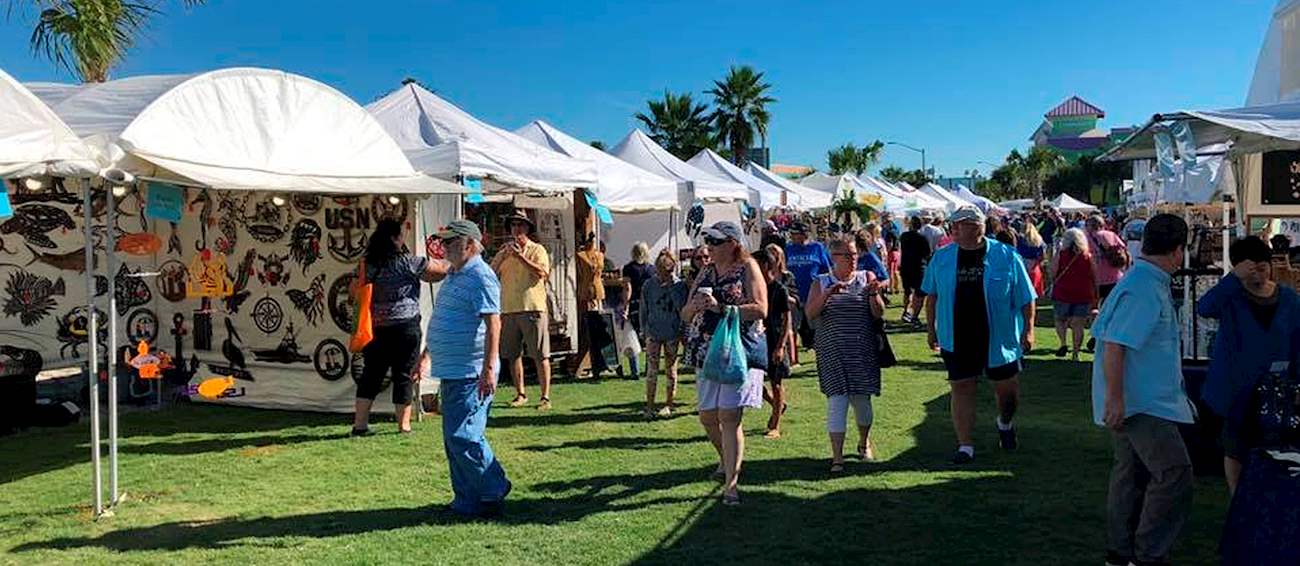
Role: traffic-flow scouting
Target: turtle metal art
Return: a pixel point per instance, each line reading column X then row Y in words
column 239, row 292
column 172, row 276
column 34, row 222
column 284, row 353
column 142, row 325
column 382, row 207
column 331, row 359
column 273, row 272
column 304, row 243
column 268, row 223
column 130, row 288
column 74, row 330
column 31, row 297
column 306, row 204
column 267, row 315
column 339, row 300
column 310, row 301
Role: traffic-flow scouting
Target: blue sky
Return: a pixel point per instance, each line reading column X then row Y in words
column 966, row 79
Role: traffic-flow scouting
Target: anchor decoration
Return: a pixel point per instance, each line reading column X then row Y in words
column 310, row 301
column 285, row 353
column 347, row 227
column 183, row 372
column 230, row 348
column 240, row 293
column 304, row 243
column 208, row 276
column 74, row 330
column 34, row 221
column 31, row 297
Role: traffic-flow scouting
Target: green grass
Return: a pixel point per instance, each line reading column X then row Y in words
column 594, row 484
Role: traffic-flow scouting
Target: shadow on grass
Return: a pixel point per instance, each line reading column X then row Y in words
column 618, row 443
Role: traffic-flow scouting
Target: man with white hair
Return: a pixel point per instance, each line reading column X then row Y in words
column 979, row 286
column 461, row 349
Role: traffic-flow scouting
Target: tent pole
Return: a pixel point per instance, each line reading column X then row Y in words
column 110, row 255
column 96, row 478
column 1227, row 232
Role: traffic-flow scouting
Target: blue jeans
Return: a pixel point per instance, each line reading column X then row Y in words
column 476, row 475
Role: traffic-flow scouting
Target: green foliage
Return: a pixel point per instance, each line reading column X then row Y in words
column 88, row 37
column 679, row 124
column 893, row 174
column 740, row 102
column 597, row 144
column 1024, row 176
column 849, row 158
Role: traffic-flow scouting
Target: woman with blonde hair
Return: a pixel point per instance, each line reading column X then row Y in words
column 1074, row 288
column 1031, row 248
column 661, row 303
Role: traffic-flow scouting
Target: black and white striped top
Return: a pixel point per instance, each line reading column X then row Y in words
column 846, row 341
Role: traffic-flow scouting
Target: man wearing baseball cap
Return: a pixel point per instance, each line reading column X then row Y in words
column 980, row 313
column 806, row 259
column 461, row 350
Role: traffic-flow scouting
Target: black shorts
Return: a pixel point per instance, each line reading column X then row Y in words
column 911, row 280
column 971, row 366
column 394, row 352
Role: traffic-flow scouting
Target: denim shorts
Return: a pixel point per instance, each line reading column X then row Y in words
column 1071, row 310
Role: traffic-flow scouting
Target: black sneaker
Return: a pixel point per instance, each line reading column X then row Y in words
column 1060, row 352
column 1115, row 559
column 962, row 457
column 361, row 432
column 1007, row 438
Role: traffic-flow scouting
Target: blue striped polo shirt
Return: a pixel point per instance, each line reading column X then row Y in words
column 456, row 333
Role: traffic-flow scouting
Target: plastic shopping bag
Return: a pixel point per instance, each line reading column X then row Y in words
column 725, row 360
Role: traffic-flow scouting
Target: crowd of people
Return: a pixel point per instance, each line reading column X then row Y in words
column 970, row 281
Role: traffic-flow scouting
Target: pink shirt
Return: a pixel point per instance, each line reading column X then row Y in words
column 1107, row 274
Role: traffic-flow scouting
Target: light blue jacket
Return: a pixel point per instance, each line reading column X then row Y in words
column 1007, row 290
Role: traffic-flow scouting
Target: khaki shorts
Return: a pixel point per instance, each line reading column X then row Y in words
column 525, row 333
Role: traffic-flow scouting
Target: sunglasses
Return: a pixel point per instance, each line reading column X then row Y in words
column 715, row 241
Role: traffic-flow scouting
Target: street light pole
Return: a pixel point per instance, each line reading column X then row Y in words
column 924, row 171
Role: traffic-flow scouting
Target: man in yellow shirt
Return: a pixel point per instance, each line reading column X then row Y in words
column 523, row 265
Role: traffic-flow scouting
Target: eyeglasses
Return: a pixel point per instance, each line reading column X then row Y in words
column 842, row 254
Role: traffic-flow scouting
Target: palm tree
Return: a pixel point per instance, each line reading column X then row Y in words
column 850, row 158
column 90, row 37
column 597, row 144
column 1038, row 167
column 741, row 110
column 678, row 123
column 893, row 174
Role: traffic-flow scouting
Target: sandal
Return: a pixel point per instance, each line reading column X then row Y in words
column 866, row 452
column 519, row 401
column 772, row 433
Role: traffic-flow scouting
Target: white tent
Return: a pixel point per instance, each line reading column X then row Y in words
column 953, row 201
column 1066, row 203
column 620, row 186
column 840, row 185
column 1018, row 205
column 984, row 204
column 446, row 142
column 910, row 202
column 638, row 149
column 34, row 141
column 769, row 195
column 1277, row 75
column 797, row 196
column 240, row 128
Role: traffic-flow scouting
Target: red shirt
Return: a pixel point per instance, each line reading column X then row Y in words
column 1075, row 281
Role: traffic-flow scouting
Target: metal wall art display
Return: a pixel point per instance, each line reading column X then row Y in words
column 208, row 276
column 31, row 297
column 310, row 301
column 348, row 226
column 130, row 288
column 231, row 210
column 381, row 208
column 74, row 329
column 340, row 301
column 142, row 325
column 306, row 204
column 172, row 276
column 230, row 348
column 239, row 292
column 304, row 243
column 273, row 272
column 331, row 359
column 34, row 221
column 267, row 315
column 139, row 244
column 203, row 326
column 284, row 353
column 72, row 261
column 268, row 223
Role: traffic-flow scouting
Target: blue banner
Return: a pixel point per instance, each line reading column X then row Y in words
column 6, row 210
column 164, row 202
column 475, row 186
column 1185, row 142
column 1164, row 153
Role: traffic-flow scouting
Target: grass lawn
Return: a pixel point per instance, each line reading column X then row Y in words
column 594, row 484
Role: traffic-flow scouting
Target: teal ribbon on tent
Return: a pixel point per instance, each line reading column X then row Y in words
column 602, row 214
column 475, row 186
column 6, row 209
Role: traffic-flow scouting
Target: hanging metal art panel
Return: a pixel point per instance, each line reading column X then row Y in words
column 340, row 301
column 310, row 301
column 31, row 297
column 304, row 243
column 130, row 288
column 142, row 325
column 286, row 352
column 34, row 221
column 267, row 315
column 208, row 276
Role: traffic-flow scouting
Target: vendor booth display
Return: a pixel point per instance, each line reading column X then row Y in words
column 797, row 196
column 1066, row 203
column 503, row 173
column 953, row 201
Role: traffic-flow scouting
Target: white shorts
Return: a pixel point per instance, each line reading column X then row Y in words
column 721, row 396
